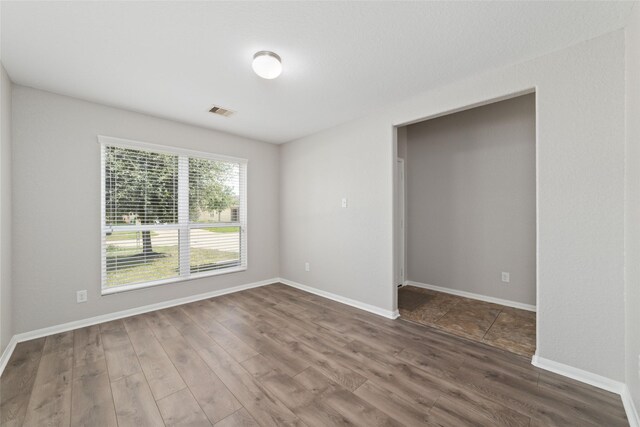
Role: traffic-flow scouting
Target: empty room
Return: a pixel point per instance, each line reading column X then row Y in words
column 319, row 213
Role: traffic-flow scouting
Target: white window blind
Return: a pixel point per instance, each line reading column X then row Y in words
column 169, row 214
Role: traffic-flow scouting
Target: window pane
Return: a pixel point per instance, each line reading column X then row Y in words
column 139, row 256
column 214, row 191
column 140, row 187
column 214, row 248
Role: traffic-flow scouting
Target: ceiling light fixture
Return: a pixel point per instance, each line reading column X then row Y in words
column 266, row 64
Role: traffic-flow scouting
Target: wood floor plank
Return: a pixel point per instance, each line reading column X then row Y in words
column 283, row 301
column 531, row 401
column 350, row 327
column 92, row 402
column 240, row 418
column 219, row 309
column 119, row 353
column 447, row 413
column 499, row 414
column 244, row 329
column 289, row 362
column 160, row 326
column 91, row 399
column 393, row 405
column 50, row 402
column 162, row 376
column 181, row 410
column 136, row 323
column 88, row 353
column 394, row 380
column 354, row 409
column 502, row 415
column 59, row 342
column 225, row 338
column 265, row 408
column 212, row 395
column 134, row 402
column 310, row 408
column 442, row 363
column 17, row 381
column 333, row 369
column 579, row 391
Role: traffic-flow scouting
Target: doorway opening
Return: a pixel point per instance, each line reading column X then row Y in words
column 465, row 231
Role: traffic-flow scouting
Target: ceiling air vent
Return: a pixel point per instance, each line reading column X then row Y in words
column 221, row 111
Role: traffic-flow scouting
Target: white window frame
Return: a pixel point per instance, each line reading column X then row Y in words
column 184, row 226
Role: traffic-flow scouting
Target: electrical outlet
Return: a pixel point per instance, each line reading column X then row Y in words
column 505, row 277
column 81, row 296
column 344, row 202
column 307, row 267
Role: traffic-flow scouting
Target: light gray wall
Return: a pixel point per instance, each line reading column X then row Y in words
column 402, row 142
column 580, row 181
column 343, row 246
column 632, row 208
column 6, row 306
column 56, row 208
column 471, row 200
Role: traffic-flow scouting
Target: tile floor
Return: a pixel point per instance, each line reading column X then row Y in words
column 507, row 328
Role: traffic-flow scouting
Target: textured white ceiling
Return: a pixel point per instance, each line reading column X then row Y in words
column 341, row 59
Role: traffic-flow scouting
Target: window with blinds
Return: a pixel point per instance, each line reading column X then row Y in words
column 169, row 214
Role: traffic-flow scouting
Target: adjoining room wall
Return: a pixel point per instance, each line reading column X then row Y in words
column 471, row 200
column 56, row 176
column 580, row 151
column 632, row 208
column 6, row 306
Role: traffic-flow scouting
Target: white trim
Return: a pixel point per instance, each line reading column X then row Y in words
column 64, row 327
column 348, row 301
column 478, row 297
column 578, row 374
column 138, row 145
column 630, row 408
column 136, row 286
column 401, row 222
column 184, row 232
column 594, row 380
column 6, row 354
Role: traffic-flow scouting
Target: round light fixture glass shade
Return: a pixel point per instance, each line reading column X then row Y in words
column 267, row 64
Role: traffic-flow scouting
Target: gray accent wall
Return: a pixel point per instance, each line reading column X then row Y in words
column 6, row 305
column 471, row 200
column 56, row 206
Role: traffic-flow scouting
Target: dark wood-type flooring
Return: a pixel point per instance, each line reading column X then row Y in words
column 279, row 356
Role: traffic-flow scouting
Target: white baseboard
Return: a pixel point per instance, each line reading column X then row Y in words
column 595, row 380
column 344, row 300
column 6, row 354
column 630, row 408
column 578, row 374
column 64, row 327
column 479, row 297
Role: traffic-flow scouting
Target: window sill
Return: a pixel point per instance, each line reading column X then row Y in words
column 194, row 276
